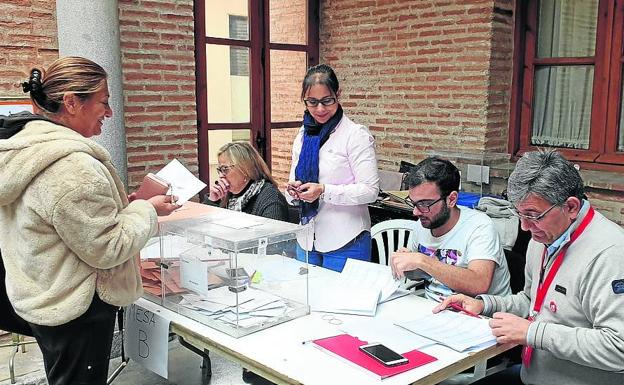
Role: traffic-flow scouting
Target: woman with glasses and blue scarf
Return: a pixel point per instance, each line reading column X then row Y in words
column 333, row 175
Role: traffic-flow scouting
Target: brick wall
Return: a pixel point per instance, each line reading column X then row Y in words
column 500, row 70
column 288, row 25
column 158, row 61
column 281, row 151
column 420, row 74
column 158, row 67
column 27, row 38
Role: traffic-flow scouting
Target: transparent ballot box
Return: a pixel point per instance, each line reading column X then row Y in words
column 229, row 270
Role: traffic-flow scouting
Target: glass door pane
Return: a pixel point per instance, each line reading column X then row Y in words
column 227, row 19
column 289, row 21
column 567, row 28
column 228, row 84
column 218, row 138
column 562, row 106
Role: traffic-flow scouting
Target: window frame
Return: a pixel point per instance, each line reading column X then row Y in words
column 260, row 46
column 606, row 93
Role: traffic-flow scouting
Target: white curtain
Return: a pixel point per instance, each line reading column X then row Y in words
column 563, row 94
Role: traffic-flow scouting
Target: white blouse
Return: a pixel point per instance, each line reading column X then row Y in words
column 348, row 169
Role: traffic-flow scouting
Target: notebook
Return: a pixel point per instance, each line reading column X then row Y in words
column 346, row 347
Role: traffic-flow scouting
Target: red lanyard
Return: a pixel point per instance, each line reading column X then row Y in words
column 543, row 287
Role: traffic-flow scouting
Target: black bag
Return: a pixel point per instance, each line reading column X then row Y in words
column 10, row 321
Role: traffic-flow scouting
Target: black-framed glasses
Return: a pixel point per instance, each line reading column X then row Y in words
column 225, row 169
column 424, row 205
column 311, row 102
column 532, row 218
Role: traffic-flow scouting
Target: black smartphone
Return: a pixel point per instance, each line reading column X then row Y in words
column 384, row 354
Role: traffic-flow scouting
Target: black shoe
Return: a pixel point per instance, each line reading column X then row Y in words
column 255, row 379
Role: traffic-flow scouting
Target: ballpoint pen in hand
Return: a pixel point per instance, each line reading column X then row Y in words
column 173, row 202
column 460, row 308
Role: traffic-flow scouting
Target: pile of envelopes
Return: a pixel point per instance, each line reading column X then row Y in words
column 245, row 309
column 153, row 279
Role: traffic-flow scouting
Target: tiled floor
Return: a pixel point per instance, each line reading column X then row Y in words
column 184, row 368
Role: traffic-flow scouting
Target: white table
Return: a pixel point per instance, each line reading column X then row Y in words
column 278, row 353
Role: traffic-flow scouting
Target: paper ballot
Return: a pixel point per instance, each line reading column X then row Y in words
column 357, row 290
column 458, row 331
column 183, row 183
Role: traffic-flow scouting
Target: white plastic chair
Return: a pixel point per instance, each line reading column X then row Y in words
column 398, row 233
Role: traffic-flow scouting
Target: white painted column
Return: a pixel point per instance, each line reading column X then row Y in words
column 90, row 28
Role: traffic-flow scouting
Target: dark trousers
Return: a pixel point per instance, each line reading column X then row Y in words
column 10, row 321
column 509, row 376
column 78, row 352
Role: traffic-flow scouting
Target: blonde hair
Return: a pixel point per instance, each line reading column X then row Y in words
column 247, row 159
column 77, row 75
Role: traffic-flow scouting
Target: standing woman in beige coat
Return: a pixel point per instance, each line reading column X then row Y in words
column 69, row 235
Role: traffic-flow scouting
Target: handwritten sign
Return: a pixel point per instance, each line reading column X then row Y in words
column 147, row 339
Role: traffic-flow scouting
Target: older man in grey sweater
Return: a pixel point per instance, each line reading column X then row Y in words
column 570, row 315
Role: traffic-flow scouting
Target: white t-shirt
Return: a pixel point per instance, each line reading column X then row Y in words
column 473, row 237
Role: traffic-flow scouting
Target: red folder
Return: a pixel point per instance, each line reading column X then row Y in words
column 347, row 347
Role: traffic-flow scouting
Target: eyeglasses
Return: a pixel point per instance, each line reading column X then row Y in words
column 532, row 218
column 315, row 102
column 225, row 169
column 424, row 206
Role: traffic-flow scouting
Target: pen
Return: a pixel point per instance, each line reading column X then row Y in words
column 172, row 198
column 460, row 308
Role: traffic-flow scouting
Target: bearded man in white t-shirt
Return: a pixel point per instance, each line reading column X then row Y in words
column 455, row 249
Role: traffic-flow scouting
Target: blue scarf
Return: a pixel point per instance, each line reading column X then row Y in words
column 314, row 136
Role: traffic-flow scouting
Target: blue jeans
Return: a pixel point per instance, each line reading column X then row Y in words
column 358, row 248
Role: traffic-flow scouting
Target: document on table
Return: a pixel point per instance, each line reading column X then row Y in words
column 357, row 290
column 458, row 331
column 385, row 332
column 183, row 183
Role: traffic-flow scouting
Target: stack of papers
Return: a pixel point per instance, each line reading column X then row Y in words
column 255, row 307
column 458, row 331
column 357, row 290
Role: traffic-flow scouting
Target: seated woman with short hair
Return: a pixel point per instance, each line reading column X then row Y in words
column 245, row 183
